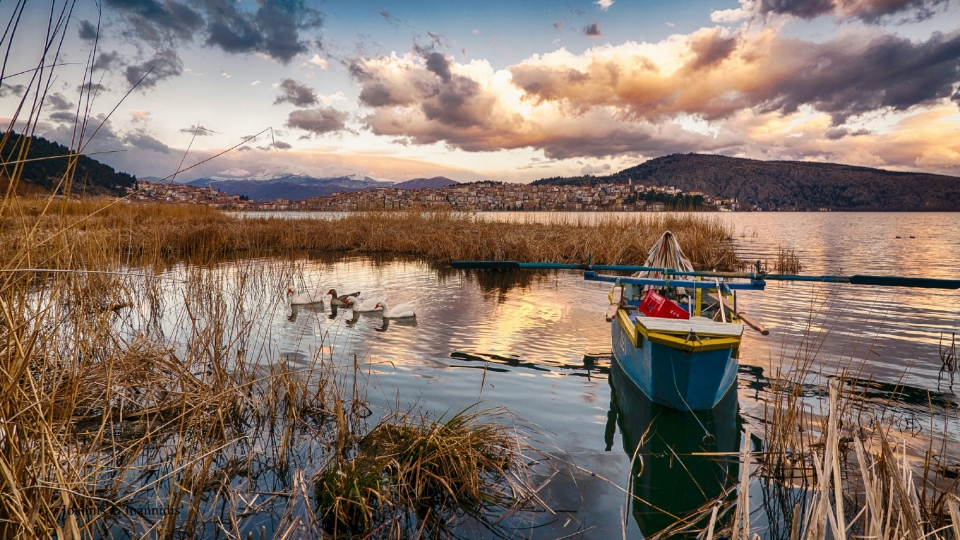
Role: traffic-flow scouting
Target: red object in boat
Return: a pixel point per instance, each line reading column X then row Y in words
column 657, row 305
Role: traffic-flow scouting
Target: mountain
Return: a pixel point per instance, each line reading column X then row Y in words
column 426, row 183
column 91, row 177
column 288, row 186
column 796, row 185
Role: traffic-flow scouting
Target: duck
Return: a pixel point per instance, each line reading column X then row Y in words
column 400, row 311
column 342, row 299
column 305, row 297
column 370, row 304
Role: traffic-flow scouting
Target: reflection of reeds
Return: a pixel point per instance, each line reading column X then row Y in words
column 149, row 232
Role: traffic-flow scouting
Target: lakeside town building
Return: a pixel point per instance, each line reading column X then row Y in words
column 476, row 196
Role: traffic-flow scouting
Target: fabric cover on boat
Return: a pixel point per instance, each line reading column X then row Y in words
column 700, row 325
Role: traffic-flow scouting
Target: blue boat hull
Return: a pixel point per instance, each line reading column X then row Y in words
column 678, row 379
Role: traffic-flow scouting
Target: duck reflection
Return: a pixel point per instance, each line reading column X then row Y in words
column 387, row 323
column 672, row 483
column 297, row 310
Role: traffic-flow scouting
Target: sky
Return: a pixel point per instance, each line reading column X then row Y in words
column 503, row 90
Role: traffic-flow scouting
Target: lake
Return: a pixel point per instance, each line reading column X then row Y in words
column 537, row 344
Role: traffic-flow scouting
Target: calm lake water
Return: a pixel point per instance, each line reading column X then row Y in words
column 537, row 344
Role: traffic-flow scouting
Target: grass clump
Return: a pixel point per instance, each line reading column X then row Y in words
column 417, row 474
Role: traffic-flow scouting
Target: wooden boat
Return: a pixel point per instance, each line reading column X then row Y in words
column 682, row 349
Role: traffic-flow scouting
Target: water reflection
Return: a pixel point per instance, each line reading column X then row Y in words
column 670, row 482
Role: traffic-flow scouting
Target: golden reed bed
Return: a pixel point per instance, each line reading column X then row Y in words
column 152, row 233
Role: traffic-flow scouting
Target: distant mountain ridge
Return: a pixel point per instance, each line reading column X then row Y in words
column 426, row 183
column 291, row 186
column 91, row 177
column 784, row 185
column 297, row 187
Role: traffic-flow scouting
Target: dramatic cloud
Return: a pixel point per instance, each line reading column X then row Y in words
column 867, row 10
column 318, row 121
column 164, row 65
column 274, row 29
column 296, row 93
column 682, row 94
column 713, row 73
column 592, row 30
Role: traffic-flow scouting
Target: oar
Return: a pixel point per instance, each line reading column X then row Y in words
column 884, row 281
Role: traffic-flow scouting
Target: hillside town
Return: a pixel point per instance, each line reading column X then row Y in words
column 477, row 196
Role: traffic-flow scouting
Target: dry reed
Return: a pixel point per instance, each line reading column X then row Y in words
column 151, row 232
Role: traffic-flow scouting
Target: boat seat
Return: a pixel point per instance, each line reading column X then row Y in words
column 701, row 325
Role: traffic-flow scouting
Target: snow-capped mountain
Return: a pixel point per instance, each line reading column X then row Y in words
column 295, row 187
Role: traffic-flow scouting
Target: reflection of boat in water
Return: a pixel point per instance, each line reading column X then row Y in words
column 672, row 483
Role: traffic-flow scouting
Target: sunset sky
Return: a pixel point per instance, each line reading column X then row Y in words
column 510, row 91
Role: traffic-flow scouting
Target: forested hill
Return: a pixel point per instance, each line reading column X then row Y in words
column 789, row 184
column 91, row 178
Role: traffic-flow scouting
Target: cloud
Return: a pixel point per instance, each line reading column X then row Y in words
column 87, row 31
column 107, row 61
column 90, row 88
column 58, row 102
column 604, row 4
column 327, row 100
column 592, row 30
column 590, row 169
column 255, row 83
column 685, row 93
column 870, row 11
column 225, row 74
column 274, row 29
column 317, row 61
column 714, row 73
column 234, row 172
column 139, row 116
column 730, row 15
column 12, row 90
column 142, row 141
column 296, row 93
column 165, row 64
column 389, row 17
column 63, row 116
column 200, row 131
column 280, row 145
column 669, row 24
column 159, row 22
column 318, row 121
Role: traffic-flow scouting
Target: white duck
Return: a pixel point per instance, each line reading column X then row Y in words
column 369, row 304
column 305, row 297
column 400, row 311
